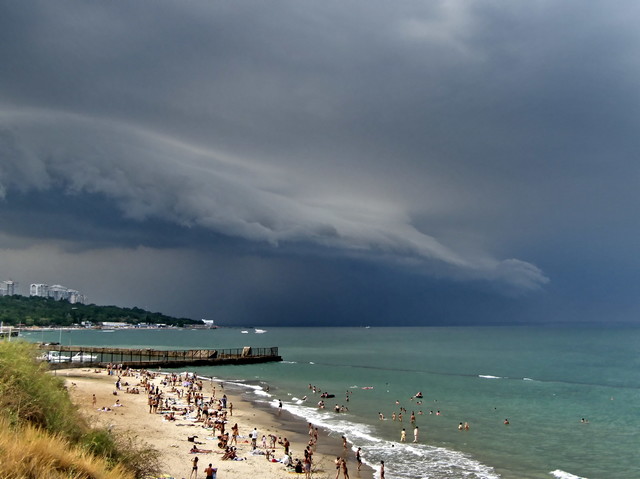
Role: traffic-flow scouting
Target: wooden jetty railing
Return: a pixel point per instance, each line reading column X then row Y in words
column 62, row 357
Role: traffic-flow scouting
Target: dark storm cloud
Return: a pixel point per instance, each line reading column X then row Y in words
column 150, row 176
column 459, row 143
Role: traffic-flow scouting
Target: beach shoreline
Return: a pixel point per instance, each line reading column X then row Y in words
column 170, row 438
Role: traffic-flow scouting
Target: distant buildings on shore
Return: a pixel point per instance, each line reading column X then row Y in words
column 8, row 288
column 56, row 291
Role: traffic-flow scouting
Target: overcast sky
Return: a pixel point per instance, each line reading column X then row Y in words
column 321, row 163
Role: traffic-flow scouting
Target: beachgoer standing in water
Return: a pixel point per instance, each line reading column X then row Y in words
column 415, row 434
column 381, row 469
column 403, row 435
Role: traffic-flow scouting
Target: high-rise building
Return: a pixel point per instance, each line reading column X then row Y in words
column 56, row 292
column 8, row 288
column 39, row 289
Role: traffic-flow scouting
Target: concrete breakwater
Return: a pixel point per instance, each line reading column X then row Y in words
column 59, row 356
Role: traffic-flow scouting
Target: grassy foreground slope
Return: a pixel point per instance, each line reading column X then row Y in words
column 43, row 435
column 30, row 452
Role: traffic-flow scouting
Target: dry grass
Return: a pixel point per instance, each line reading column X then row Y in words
column 42, row 435
column 28, row 452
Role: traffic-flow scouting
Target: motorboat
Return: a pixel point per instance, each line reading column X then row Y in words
column 55, row 357
column 84, row 358
column 260, row 331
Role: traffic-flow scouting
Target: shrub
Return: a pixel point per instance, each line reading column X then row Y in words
column 29, row 395
column 43, row 435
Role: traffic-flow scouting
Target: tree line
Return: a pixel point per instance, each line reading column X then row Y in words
column 37, row 311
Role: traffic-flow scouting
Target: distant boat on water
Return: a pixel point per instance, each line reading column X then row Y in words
column 260, row 331
column 244, row 331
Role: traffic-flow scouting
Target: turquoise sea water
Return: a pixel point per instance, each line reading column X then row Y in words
column 543, row 379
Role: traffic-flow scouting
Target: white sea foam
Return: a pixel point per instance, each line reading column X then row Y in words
column 408, row 461
column 486, row 376
column 527, row 379
column 560, row 474
column 434, row 462
column 256, row 389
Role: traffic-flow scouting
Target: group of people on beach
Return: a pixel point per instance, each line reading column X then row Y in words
column 181, row 397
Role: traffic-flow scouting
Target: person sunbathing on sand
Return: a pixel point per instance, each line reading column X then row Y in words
column 195, row 450
column 229, row 454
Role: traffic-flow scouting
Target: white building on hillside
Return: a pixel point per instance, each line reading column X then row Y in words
column 39, row 289
column 8, row 288
column 56, row 292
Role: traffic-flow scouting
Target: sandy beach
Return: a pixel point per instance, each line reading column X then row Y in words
column 171, row 437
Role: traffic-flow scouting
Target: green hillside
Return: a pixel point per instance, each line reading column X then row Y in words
column 37, row 311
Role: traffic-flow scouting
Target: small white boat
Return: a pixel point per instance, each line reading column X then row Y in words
column 55, row 357
column 244, row 332
column 84, row 357
column 260, row 331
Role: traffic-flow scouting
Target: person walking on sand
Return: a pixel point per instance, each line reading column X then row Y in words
column 94, row 401
column 210, row 472
column 345, row 471
column 381, row 469
column 286, row 445
column 359, row 458
column 338, row 462
column 254, row 438
column 307, row 467
column 194, row 468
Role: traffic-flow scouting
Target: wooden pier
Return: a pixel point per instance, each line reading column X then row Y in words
column 63, row 357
